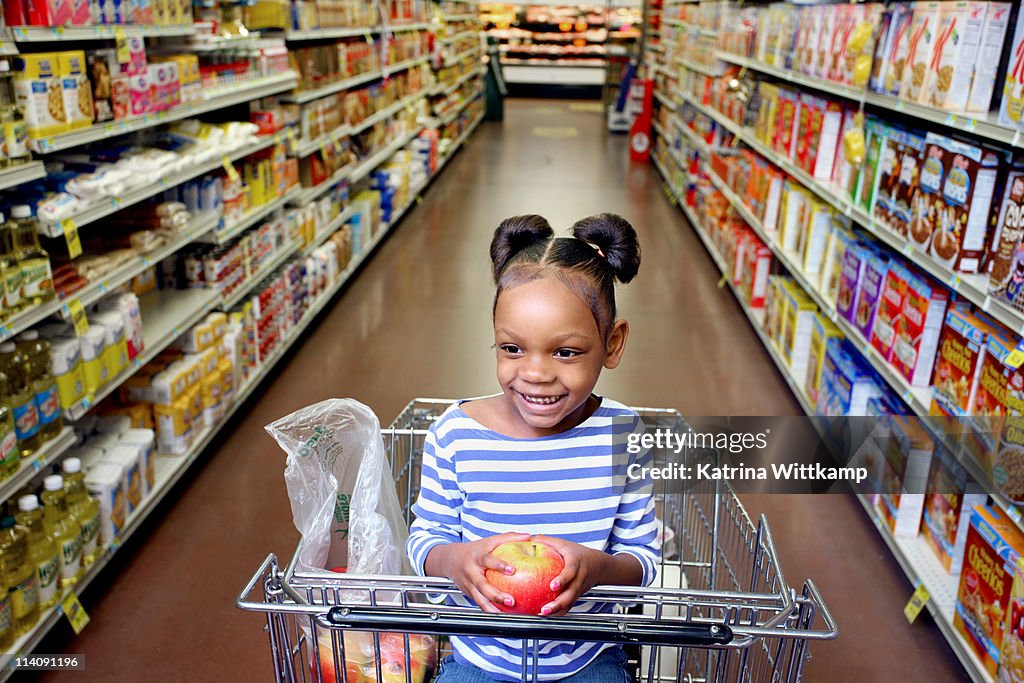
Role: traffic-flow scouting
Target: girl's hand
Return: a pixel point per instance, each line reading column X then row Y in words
column 584, row 569
column 465, row 563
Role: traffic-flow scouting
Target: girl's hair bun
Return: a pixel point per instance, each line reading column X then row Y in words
column 616, row 239
column 515, row 234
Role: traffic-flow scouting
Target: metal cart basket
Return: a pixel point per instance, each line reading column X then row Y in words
column 720, row 609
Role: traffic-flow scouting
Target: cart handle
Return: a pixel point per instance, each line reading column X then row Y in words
column 647, row 632
column 268, row 564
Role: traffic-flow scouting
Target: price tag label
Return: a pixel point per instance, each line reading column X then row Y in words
column 722, row 280
column 293, row 138
column 70, row 230
column 124, row 54
column 916, row 603
column 337, row 145
column 230, row 169
column 78, row 318
column 323, row 148
column 369, row 38
column 1015, row 359
column 75, row 613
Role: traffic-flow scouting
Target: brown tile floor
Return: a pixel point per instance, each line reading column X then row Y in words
column 416, row 323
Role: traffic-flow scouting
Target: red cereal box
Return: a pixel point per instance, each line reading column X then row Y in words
column 919, row 328
column 788, row 121
column 890, row 310
column 756, row 271
column 994, row 546
column 961, row 349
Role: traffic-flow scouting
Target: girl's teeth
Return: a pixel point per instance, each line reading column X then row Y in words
column 543, row 401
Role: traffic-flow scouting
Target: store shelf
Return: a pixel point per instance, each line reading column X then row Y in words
column 308, row 147
column 364, row 168
column 553, row 73
column 214, row 99
column 450, row 118
column 28, row 318
column 30, row 466
column 982, row 125
column 669, row 21
column 331, row 228
column 456, row 145
column 442, row 89
column 699, row 68
column 462, row 56
column 211, row 43
column 169, row 469
column 304, row 96
column 920, row 565
column 109, row 205
column 284, row 252
column 251, row 218
column 326, row 33
column 457, row 36
column 44, row 34
column 166, row 315
column 200, row 226
column 18, row 175
column 460, row 17
column 661, row 97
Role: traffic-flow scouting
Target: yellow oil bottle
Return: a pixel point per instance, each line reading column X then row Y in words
column 20, row 575
column 85, row 508
column 41, row 550
column 63, row 529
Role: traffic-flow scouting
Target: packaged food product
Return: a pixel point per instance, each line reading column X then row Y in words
column 890, row 310
column 901, row 201
column 927, row 204
column 822, row 330
column 1011, row 654
column 955, row 53
column 1006, row 277
column 866, row 186
column 38, row 89
column 888, row 175
column 66, row 367
column 94, row 366
column 840, row 237
column 906, row 463
column 949, row 498
column 923, row 34
column 1011, row 106
column 986, row 66
column 172, row 426
column 145, row 441
column 846, row 383
column 854, row 260
column 128, row 459
column 993, row 548
column 968, row 191
column 105, row 483
column 961, row 349
column 115, row 344
column 78, row 105
column 990, row 399
column 754, row 274
column 919, row 327
column 796, row 331
column 870, row 291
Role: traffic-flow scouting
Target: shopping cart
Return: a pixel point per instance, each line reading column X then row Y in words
column 721, row 609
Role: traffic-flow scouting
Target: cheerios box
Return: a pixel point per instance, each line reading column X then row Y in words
column 949, row 496
column 1011, row 655
column 958, row 364
column 994, row 547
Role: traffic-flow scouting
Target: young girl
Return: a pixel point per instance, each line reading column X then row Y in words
column 546, row 457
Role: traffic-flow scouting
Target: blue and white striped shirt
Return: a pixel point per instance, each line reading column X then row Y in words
column 478, row 483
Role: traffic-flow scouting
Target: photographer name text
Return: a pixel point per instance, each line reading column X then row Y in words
column 779, row 471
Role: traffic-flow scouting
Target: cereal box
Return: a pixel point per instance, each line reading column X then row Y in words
column 1011, row 106
column 822, row 331
column 846, row 18
column 949, row 497
column 37, row 87
column 840, row 237
column 774, row 179
column 990, row 399
column 968, row 189
column 961, row 349
column 846, row 174
column 923, row 31
column 820, row 139
column 927, row 203
column 906, row 462
column 785, row 138
column 76, row 89
column 954, row 54
column 918, row 328
column 986, row 66
column 875, row 269
column 1006, row 278
column 773, row 307
column 796, row 203
column 859, row 48
column 754, row 278
column 815, row 240
column 888, row 175
column 894, row 24
column 906, row 186
column 890, row 309
column 823, row 57
column 993, row 549
column 846, row 383
column 796, row 333
column 1011, row 655
column 854, row 260
column 892, row 70
column 50, row 13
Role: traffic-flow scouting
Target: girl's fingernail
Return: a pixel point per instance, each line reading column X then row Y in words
column 509, row 569
column 555, row 585
column 546, row 611
column 509, row 602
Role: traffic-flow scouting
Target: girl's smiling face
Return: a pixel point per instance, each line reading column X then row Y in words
column 550, row 355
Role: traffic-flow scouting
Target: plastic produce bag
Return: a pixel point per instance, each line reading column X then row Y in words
column 341, row 489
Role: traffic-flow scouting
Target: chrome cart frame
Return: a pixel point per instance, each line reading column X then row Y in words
column 720, row 610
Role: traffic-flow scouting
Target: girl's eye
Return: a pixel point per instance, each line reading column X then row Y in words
column 566, row 353
column 510, row 348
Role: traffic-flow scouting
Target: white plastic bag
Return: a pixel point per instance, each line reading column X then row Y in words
column 341, row 489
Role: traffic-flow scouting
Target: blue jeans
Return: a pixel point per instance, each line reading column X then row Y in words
column 607, row 667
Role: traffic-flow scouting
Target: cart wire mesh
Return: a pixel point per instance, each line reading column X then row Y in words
column 719, row 610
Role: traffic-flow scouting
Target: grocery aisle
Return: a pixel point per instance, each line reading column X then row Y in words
column 416, row 322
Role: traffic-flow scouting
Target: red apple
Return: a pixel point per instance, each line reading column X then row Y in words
column 536, row 564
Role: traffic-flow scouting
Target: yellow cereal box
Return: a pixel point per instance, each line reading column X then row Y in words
column 37, row 88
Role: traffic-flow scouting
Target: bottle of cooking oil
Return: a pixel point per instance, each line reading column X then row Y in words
column 21, row 574
column 6, row 618
column 37, row 277
column 37, row 351
column 84, row 507
column 41, row 550
column 11, row 270
column 15, row 131
column 63, row 529
column 10, row 456
column 22, row 398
